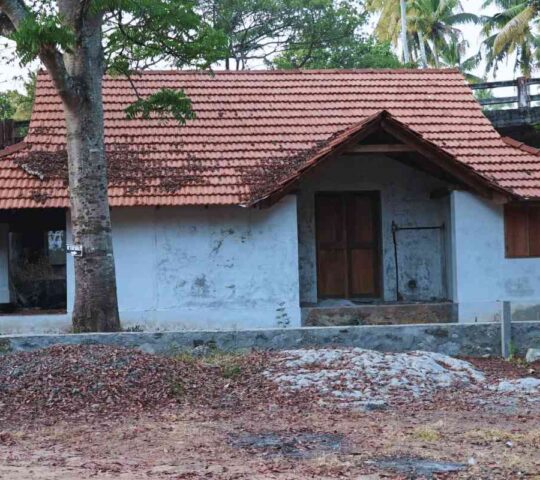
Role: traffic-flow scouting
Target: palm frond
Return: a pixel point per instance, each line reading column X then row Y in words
column 514, row 29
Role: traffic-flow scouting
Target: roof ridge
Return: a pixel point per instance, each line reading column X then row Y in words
column 417, row 71
column 512, row 142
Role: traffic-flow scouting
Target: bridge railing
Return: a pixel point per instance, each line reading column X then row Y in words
column 523, row 98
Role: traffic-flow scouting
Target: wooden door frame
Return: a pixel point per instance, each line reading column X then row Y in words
column 376, row 195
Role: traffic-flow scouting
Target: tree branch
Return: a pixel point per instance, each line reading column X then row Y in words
column 54, row 62
column 12, row 14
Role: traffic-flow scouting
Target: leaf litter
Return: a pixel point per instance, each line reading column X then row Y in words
column 261, row 415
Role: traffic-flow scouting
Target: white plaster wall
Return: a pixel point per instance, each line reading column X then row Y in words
column 197, row 268
column 404, row 192
column 483, row 276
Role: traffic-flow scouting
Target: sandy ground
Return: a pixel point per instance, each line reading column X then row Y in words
column 493, row 436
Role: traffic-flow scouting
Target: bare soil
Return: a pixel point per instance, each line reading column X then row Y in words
column 235, row 425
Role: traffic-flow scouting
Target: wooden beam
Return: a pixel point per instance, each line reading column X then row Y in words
column 380, row 148
column 443, row 160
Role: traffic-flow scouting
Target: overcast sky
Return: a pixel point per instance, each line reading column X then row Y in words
column 10, row 73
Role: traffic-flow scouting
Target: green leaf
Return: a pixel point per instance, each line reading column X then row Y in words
column 164, row 103
column 41, row 30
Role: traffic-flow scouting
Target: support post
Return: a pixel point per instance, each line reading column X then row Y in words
column 523, row 93
column 506, row 330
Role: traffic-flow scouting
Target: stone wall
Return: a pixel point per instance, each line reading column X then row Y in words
column 453, row 339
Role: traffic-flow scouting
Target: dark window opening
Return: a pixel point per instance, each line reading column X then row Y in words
column 37, row 260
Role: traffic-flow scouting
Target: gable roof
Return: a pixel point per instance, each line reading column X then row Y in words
column 255, row 131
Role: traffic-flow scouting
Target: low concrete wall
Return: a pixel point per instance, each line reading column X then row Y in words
column 453, row 339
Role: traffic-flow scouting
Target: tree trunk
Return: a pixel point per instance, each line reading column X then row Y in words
column 422, row 43
column 404, row 41
column 96, row 306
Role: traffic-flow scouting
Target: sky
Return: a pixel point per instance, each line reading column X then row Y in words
column 11, row 74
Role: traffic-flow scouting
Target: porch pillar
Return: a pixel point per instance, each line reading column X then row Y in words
column 5, row 296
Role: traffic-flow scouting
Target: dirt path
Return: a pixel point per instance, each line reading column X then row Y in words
column 242, row 433
column 200, row 445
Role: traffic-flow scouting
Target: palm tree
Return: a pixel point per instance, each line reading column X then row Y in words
column 512, row 31
column 404, row 40
column 454, row 55
column 432, row 25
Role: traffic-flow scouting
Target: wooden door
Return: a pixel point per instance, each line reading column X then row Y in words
column 348, row 259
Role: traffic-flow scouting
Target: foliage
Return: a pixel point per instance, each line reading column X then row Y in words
column 258, row 30
column 161, row 104
column 142, row 33
column 487, row 95
column 6, row 107
column 512, row 31
column 354, row 52
column 16, row 105
column 38, row 30
column 137, row 34
column 432, row 29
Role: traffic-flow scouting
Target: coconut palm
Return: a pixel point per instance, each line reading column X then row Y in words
column 454, row 55
column 512, row 30
column 432, row 25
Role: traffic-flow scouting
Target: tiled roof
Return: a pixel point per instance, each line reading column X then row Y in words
column 251, row 127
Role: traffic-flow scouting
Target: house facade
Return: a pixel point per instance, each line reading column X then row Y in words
column 294, row 198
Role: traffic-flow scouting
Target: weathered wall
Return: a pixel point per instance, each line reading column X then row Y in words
column 452, row 339
column 422, row 255
column 197, row 268
column 483, row 276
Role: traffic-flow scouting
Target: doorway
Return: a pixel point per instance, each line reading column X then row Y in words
column 348, row 245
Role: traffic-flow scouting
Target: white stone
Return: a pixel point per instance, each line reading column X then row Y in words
column 348, row 374
column 533, row 354
column 520, row 385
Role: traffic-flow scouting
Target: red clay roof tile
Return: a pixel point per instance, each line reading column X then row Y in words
column 251, row 125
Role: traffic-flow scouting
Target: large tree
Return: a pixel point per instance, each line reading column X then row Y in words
column 77, row 40
column 259, row 30
column 354, row 51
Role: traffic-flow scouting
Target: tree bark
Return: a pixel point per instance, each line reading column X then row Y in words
column 422, row 43
column 96, row 306
column 78, row 75
column 404, row 41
